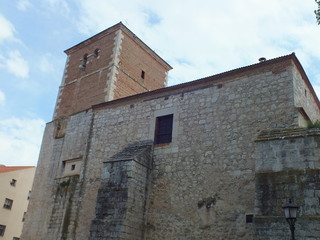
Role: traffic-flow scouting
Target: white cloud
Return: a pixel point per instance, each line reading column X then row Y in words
column 20, row 141
column 23, row 5
column 98, row 15
column 6, row 29
column 214, row 36
column 45, row 63
column 15, row 64
column 60, row 6
column 2, row 98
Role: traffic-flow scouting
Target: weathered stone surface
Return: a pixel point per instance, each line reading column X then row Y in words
column 287, row 167
column 204, row 183
column 122, row 197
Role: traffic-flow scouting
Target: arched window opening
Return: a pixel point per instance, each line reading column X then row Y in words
column 96, row 52
column 83, row 62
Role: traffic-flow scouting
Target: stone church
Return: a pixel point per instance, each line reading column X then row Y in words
column 126, row 157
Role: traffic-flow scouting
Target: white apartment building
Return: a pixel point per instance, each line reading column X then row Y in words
column 15, row 187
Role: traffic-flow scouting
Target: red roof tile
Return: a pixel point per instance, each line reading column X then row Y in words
column 4, row 169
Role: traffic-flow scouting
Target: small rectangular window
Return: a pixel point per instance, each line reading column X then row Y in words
column 163, row 132
column 8, row 203
column 2, row 229
column 15, row 238
column 13, row 182
column 73, row 167
column 24, row 217
column 249, row 218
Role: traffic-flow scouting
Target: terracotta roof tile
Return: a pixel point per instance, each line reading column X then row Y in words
column 232, row 74
column 4, row 169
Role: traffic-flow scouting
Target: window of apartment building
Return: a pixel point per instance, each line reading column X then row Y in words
column 2, row 229
column 8, row 203
column 24, row 217
column 29, row 194
column 13, row 182
column 163, row 130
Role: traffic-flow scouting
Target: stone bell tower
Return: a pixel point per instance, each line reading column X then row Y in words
column 110, row 65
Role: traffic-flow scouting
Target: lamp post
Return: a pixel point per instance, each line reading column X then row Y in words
column 290, row 212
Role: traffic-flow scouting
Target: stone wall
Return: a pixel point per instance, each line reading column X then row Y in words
column 51, row 188
column 302, row 94
column 287, row 167
column 63, row 224
column 201, row 185
column 214, row 123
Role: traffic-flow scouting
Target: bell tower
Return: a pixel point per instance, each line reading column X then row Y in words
column 113, row 64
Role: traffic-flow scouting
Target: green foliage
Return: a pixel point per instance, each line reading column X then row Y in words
column 315, row 124
column 65, row 183
column 317, row 12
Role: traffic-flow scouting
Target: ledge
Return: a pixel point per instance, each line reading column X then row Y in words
column 286, row 133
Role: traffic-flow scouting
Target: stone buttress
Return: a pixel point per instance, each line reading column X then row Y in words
column 122, row 197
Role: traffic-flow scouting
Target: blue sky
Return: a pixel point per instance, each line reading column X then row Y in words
column 197, row 38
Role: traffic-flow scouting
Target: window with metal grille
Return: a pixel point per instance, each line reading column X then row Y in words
column 8, row 203
column 2, row 229
column 163, row 132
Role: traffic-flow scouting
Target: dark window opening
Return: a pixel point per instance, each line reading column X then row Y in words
column 83, row 62
column 8, row 203
column 15, row 238
column 2, row 229
column 96, row 52
column 142, row 74
column 249, row 218
column 163, row 132
column 24, row 217
column 73, row 167
column 13, row 182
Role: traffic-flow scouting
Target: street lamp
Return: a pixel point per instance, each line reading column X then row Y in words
column 290, row 212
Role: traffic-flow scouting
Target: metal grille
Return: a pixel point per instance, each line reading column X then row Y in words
column 8, row 203
column 164, row 129
column 2, row 229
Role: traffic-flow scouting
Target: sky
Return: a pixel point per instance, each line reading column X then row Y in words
column 197, row 38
